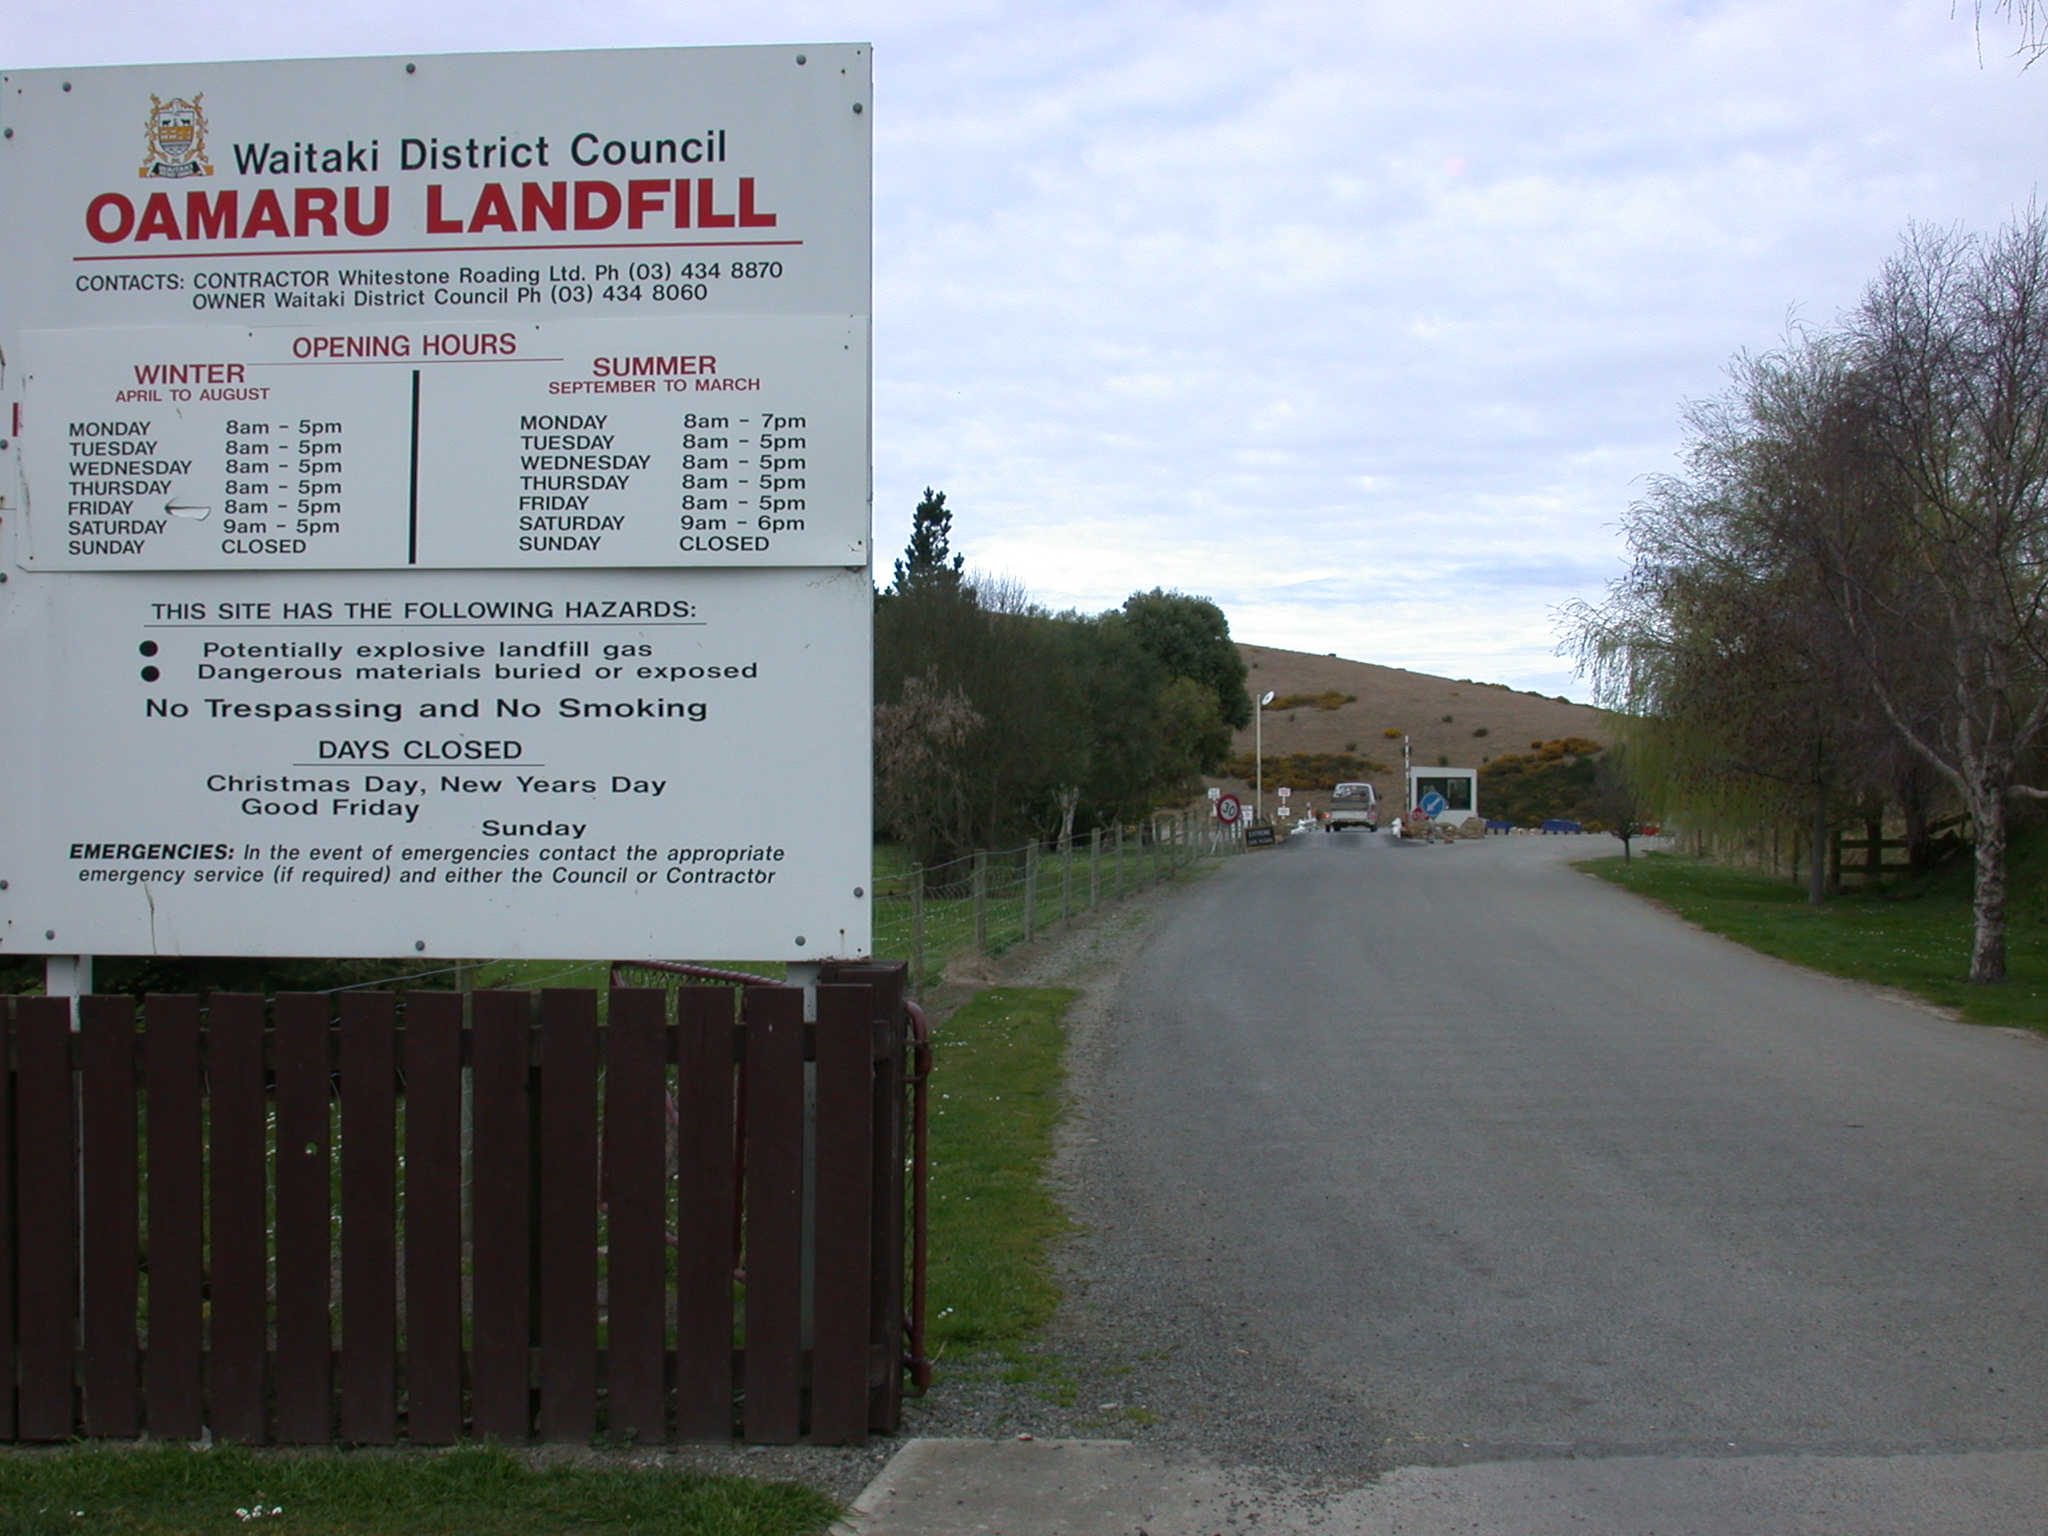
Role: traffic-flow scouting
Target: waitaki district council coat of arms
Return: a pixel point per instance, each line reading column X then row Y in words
column 176, row 130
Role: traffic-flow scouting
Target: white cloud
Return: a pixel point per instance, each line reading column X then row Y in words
column 1365, row 318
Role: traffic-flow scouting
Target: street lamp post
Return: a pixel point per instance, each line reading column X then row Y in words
column 1259, row 758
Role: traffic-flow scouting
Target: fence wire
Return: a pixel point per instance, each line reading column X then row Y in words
column 988, row 901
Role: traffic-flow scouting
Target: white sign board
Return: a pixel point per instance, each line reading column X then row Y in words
column 431, row 488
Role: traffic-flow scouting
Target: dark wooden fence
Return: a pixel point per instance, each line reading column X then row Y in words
column 648, row 1216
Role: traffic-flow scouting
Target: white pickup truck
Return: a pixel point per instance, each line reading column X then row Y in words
column 1353, row 806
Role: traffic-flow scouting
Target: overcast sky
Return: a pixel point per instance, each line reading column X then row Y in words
column 1365, row 319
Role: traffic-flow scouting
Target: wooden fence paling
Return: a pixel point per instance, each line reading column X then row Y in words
column 46, row 1215
column 107, row 1247
column 772, row 1403
column 369, row 1219
column 840, row 1246
column 705, row 1213
column 636, row 1206
column 568, row 1215
column 501, row 1256
column 635, row 1190
column 238, row 1268
column 823, row 1200
column 433, row 1217
column 888, row 986
column 8, row 1271
column 304, row 1385
column 177, row 1232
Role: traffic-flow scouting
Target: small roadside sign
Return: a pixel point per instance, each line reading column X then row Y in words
column 1435, row 804
column 1258, row 837
column 1228, row 808
column 1284, row 792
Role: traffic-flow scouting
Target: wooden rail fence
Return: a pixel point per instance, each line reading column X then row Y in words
column 371, row 1218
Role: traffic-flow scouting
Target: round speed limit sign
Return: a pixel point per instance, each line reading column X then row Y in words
column 1228, row 808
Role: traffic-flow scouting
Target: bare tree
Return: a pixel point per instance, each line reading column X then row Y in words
column 1943, row 580
column 1618, row 799
column 2030, row 16
column 920, row 778
column 1857, row 561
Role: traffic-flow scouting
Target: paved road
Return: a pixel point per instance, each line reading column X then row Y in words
column 1505, row 1165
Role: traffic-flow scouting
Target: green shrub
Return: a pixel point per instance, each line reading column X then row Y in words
column 1555, row 781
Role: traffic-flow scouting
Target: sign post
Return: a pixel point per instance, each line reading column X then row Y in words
column 429, row 487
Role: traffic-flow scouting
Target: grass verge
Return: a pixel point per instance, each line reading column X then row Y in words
column 172, row 1491
column 1916, row 938
column 996, row 1096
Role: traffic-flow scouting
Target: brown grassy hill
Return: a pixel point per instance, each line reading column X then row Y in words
column 1485, row 719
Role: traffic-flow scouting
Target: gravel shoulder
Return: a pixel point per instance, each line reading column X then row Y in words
column 1143, row 1347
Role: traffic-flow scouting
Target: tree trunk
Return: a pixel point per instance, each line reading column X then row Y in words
column 1913, row 805
column 1817, row 864
column 1987, row 946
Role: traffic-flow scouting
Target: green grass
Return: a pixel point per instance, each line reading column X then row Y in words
column 172, row 1491
column 996, row 1095
column 1916, row 938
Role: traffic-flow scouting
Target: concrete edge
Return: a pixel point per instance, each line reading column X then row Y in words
column 907, row 1456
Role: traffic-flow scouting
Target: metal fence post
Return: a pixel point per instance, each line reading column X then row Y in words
column 1066, row 878
column 1094, row 868
column 1119, row 861
column 917, row 926
column 1030, row 892
column 980, row 901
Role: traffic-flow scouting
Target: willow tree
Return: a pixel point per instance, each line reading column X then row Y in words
column 1731, row 692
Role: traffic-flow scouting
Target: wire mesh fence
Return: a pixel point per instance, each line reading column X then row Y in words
column 990, row 900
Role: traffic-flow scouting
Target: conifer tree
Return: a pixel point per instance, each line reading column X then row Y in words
column 928, row 558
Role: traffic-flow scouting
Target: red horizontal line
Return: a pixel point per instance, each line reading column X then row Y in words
column 461, row 250
column 402, row 362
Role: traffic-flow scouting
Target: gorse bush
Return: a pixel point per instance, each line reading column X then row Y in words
column 1557, row 780
column 1327, row 700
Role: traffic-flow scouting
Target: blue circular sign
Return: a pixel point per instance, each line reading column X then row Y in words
column 1435, row 804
